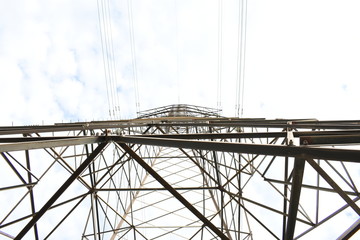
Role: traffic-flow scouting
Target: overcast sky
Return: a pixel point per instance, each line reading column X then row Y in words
column 302, row 58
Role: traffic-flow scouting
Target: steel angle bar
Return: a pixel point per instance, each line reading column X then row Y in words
column 204, row 172
column 175, row 193
column 38, row 129
column 264, row 149
column 330, row 139
column 271, row 209
column 193, row 121
column 110, row 168
column 326, row 219
column 311, row 187
column 8, row 147
column 61, row 161
column 115, row 212
column 29, row 185
column 350, row 231
column 302, row 134
column 61, row 190
column 294, row 197
column 336, row 187
column 258, row 221
column 32, row 198
column 6, row 235
column 69, row 127
column 261, row 125
column 66, row 216
column 219, row 135
column 13, row 168
column 31, row 139
column 155, row 189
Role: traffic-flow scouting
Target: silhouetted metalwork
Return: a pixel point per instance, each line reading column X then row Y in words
column 181, row 172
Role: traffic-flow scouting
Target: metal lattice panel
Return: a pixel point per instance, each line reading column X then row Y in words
column 181, row 177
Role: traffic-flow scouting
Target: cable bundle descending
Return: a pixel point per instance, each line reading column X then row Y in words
column 133, row 56
column 109, row 63
column 240, row 80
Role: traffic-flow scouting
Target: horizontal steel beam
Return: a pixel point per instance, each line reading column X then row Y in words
column 253, row 135
column 311, row 187
column 264, row 125
column 311, row 137
column 33, row 139
column 66, row 128
column 261, row 149
column 330, row 139
column 154, row 189
column 178, row 121
column 8, row 147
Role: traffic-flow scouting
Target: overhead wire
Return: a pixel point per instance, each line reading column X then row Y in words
column 241, row 50
column 109, row 63
column 238, row 84
column 133, row 56
column 103, row 57
column 114, row 79
column 177, row 50
column 106, row 20
column 106, row 40
column 104, row 17
column 219, row 54
column 244, row 57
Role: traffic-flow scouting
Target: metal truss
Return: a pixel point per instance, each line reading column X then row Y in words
column 181, row 175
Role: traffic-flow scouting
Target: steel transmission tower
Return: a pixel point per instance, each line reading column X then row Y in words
column 180, row 172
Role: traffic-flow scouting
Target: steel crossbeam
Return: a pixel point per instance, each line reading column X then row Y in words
column 181, row 172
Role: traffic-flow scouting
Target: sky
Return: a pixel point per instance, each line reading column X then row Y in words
column 301, row 58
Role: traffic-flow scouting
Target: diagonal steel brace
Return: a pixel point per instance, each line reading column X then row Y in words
column 61, row 190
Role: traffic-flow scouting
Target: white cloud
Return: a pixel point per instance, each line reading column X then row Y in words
column 300, row 55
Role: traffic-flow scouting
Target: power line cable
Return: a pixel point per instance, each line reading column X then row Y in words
column 133, row 55
column 240, row 81
column 244, row 55
column 109, row 55
column 237, row 95
column 113, row 63
column 103, row 57
column 219, row 54
column 177, row 50
column 107, row 52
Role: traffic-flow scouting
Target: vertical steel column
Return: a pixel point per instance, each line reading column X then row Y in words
column 94, row 206
column 32, row 201
column 285, row 195
column 239, row 199
column 298, row 173
column 289, row 142
column 95, row 215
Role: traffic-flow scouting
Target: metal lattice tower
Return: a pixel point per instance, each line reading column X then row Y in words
column 180, row 172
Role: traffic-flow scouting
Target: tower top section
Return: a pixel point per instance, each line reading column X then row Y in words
column 180, row 110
